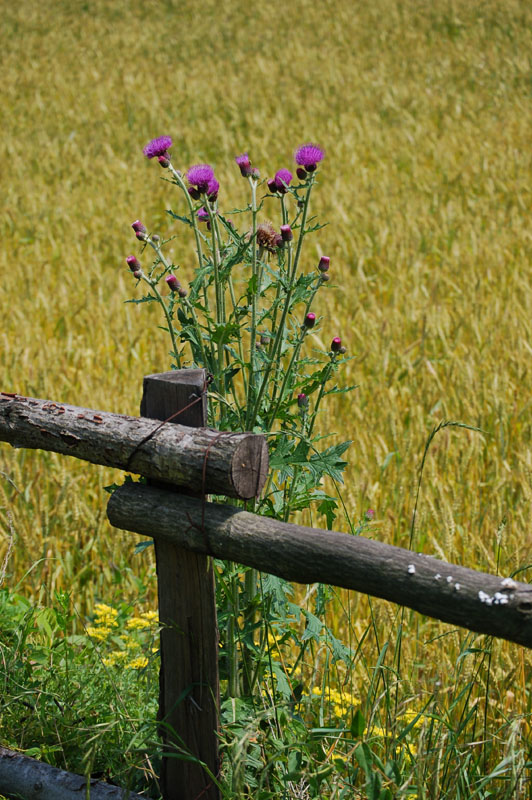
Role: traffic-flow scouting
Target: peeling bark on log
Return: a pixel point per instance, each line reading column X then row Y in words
column 474, row 600
column 235, row 464
column 22, row 776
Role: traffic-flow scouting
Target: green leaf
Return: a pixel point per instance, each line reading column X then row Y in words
column 358, row 724
column 141, row 546
column 313, row 628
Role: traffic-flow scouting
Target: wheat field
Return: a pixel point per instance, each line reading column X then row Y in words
column 424, row 111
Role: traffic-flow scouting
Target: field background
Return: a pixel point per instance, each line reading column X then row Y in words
column 425, row 112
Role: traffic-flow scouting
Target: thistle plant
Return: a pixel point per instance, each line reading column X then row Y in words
column 248, row 312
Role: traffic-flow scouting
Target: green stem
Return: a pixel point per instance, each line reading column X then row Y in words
column 193, row 218
column 288, row 375
column 292, row 269
column 171, row 331
column 253, row 344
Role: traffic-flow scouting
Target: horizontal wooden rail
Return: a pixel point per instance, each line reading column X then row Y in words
column 475, row 600
column 205, row 460
column 22, row 776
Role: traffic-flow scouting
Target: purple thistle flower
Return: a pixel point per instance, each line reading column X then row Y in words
column 158, row 147
column 138, row 226
column 336, row 344
column 245, row 165
column 200, row 175
column 323, row 266
column 370, row 513
column 309, row 156
column 310, row 320
column 212, row 189
column 282, row 180
column 173, row 283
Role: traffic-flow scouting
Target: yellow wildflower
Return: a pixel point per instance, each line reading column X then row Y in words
column 137, row 624
column 98, row 633
column 138, row 663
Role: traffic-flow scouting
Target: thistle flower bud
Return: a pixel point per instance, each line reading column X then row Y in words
column 336, row 344
column 245, row 165
column 286, row 233
column 272, row 186
column 323, row 266
column 301, row 173
column 255, row 173
column 302, row 400
column 310, row 320
column 141, row 236
column 155, row 238
column 264, row 339
column 324, row 277
column 138, row 227
column 342, row 350
column 137, row 274
column 173, row 283
column 193, row 192
column 164, row 161
column 182, row 292
column 133, row 263
column 202, row 215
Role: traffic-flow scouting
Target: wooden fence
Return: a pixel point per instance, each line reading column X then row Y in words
column 184, row 462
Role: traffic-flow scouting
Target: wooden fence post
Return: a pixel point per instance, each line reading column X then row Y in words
column 189, row 686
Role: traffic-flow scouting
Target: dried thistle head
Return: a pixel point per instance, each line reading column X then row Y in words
column 267, row 237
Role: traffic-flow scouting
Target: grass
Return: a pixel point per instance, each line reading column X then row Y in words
column 425, row 112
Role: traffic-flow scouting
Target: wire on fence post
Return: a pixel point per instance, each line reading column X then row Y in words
column 189, row 687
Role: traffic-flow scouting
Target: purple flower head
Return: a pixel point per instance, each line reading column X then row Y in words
column 200, row 175
column 336, row 344
column 133, row 263
column 202, row 215
column 212, row 189
column 282, row 180
column 245, row 165
column 158, row 147
column 138, row 226
column 370, row 513
column 309, row 156
column 310, row 320
column 173, row 283
column 323, row 266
